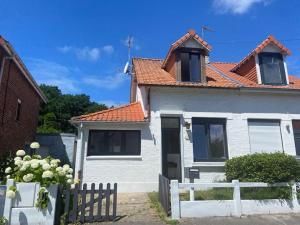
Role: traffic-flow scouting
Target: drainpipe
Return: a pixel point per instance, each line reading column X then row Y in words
column 6, row 86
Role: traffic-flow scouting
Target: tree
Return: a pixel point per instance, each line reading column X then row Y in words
column 55, row 115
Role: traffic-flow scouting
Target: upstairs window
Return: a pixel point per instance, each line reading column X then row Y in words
column 190, row 67
column 272, row 68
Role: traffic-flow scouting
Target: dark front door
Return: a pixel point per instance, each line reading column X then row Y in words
column 171, row 160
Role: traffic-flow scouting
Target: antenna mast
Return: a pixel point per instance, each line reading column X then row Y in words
column 205, row 28
column 129, row 43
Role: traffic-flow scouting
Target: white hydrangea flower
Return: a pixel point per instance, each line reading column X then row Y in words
column 35, row 145
column 46, row 166
column 61, row 173
column 18, row 163
column 28, row 177
column 17, row 158
column 43, row 161
column 47, row 174
column 34, row 165
column 27, row 158
column 8, row 170
column 69, row 176
column 20, row 153
column 70, row 170
column 69, row 181
column 58, row 169
column 23, row 167
column 66, row 167
column 10, row 194
column 76, row 181
column 8, row 177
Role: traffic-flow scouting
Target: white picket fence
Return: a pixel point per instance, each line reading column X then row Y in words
column 235, row 207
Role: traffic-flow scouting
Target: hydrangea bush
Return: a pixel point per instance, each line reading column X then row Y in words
column 34, row 168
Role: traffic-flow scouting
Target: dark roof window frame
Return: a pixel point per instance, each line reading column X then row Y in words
column 281, row 64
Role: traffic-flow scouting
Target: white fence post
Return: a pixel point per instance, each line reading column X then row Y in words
column 8, row 201
column 175, row 207
column 296, row 207
column 237, row 198
column 192, row 194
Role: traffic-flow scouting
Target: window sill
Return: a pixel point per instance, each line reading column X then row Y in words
column 209, row 164
column 112, row 157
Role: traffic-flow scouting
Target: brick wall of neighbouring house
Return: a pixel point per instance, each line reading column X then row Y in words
column 15, row 134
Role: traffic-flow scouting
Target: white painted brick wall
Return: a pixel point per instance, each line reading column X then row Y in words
column 142, row 174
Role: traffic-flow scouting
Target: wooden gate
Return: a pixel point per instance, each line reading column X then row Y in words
column 91, row 205
column 164, row 193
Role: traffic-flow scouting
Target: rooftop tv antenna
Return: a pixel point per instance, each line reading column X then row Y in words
column 129, row 44
column 205, row 28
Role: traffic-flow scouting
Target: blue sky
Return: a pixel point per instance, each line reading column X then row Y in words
column 79, row 45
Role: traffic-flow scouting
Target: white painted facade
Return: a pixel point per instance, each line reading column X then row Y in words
column 140, row 173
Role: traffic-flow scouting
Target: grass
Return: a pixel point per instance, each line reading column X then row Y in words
column 246, row 193
column 154, row 203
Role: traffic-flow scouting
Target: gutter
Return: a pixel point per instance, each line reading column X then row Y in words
column 76, row 122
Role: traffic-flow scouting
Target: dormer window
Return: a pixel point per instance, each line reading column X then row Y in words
column 190, row 67
column 272, row 68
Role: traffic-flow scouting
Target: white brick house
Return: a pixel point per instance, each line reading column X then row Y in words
column 186, row 112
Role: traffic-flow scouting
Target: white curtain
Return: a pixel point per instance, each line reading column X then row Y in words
column 265, row 136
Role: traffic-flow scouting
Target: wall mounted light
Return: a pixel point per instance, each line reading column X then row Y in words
column 187, row 125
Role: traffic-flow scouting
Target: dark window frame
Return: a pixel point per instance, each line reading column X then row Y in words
column 281, row 68
column 206, row 122
column 186, row 75
column 296, row 136
column 18, row 109
column 123, row 143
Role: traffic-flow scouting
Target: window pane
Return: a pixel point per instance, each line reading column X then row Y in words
column 132, row 146
column 265, row 136
column 296, row 128
column 169, row 122
column 96, row 143
column 185, row 66
column 272, row 69
column 114, row 141
column 195, row 67
column 108, row 142
column 217, row 141
column 200, row 142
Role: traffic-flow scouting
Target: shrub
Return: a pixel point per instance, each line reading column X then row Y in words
column 263, row 167
column 5, row 160
column 34, row 168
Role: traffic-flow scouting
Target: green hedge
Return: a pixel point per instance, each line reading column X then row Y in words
column 263, row 167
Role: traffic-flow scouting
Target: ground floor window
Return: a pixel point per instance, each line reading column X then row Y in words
column 296, row 128
column 209, row 139
column 265, row 136
column 114, row 142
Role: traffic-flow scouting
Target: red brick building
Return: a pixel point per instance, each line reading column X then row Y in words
column 20, row 99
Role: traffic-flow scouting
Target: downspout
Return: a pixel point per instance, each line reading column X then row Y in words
column 6, row 86
column 149, row 104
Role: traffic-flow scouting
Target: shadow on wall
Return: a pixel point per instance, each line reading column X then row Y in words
column 61, row 146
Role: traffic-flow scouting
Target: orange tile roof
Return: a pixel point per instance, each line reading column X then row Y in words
column 149, row 72
column 190, row 34
column 270, row 40
column 219, row 75
column 127, row 113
